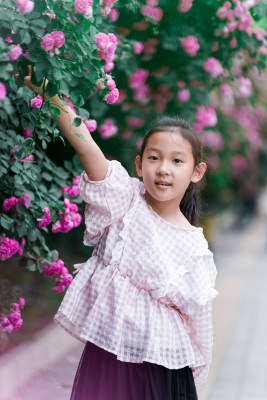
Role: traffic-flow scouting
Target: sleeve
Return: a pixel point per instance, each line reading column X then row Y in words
column 194, row 301
column 200, row 330
column 106, row 201
column 191, row 292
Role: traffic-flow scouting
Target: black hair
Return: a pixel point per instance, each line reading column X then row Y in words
column 190, row 204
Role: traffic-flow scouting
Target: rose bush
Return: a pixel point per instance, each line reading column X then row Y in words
column 119, row 64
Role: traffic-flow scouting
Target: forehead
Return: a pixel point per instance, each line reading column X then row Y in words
column 172, row 141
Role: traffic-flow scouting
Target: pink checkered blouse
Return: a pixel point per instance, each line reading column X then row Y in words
column 146, row 292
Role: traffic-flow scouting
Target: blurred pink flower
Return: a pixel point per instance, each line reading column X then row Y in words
column 91, row 125
column 2, row 91
column 37, row 101
column 205, row 116
column 8, row 247
column 244, row 87
column 114, row 15
column 190, row 45
column 185, row 5
column 15, row 52
column 213, row 66
column 135, row 122
column 239, row 163
column 47, row 42
column 59, row 38
column 211, row 140
column 138, row 47
column 107, row 129
column 183, row 95
column 81, row 6
column 138, row 78
column 46, row 218
column 111, row 97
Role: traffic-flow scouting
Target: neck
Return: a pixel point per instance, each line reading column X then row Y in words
column 168, row 210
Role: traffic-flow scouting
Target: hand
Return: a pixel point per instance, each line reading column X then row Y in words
column 27, row 82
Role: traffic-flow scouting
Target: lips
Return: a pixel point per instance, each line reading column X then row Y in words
column 163, row 183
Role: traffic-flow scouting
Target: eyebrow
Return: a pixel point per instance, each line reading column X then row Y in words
column 173, row 152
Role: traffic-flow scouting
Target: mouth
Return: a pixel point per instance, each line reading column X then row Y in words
column 163, row 184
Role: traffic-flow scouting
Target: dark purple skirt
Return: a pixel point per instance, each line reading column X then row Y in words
column 100, row 376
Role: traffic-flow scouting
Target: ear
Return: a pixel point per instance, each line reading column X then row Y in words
column 199, row 172
column 138, row 165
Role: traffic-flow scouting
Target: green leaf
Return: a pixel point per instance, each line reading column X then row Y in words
column 22, row 229
column 76, row 162
column 27, row 124
column 31, row 265
column 25, row 36
column 84, row 113
column 44, row 144
column 21, row 208
column 47, row 176
column 32, row 235
column 51, row 88
column 18, row 180
column 77, row 122
column 5, row 223
column 68, row 165
column 53, row 255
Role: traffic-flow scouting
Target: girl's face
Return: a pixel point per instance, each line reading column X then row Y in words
column 167, row 167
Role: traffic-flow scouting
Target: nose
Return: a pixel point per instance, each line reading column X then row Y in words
column 163, row 168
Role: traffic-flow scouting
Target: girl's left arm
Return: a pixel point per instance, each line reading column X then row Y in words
column 201, row 332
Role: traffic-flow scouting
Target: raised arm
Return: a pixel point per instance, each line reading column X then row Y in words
column 92, row 158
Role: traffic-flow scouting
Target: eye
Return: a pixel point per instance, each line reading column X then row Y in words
column 177, row 161
column 154, row 158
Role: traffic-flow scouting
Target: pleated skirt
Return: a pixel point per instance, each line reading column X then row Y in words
column 100, row 376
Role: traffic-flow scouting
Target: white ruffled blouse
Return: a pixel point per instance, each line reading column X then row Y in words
column 145, row 294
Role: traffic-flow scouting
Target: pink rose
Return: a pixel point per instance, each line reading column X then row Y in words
column 138, row 78
column 2, row 91
column 59, row 38
column 135, row 122
column 20, row 3
column 222, row 13
column 185, row 5
column 26, row 133
column 59, row 288
column 183, row 95
column 102, row 40
column 110, row 82
column 91, row 125
column 16, row 51
column 21, row 302
column 47, row 42
column 212, row 140
column 112, row 96
column 244, row 86
column 107, row 129
column 138, row 47
column 28, row 7
column 114, row 15
column 108, row 67
column 205, row 116
column 239, row 163
column 213, row 66
column 190, row 45
column 37, row 101
column 81, row 6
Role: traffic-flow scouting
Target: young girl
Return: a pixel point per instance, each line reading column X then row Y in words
column 142, row 302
